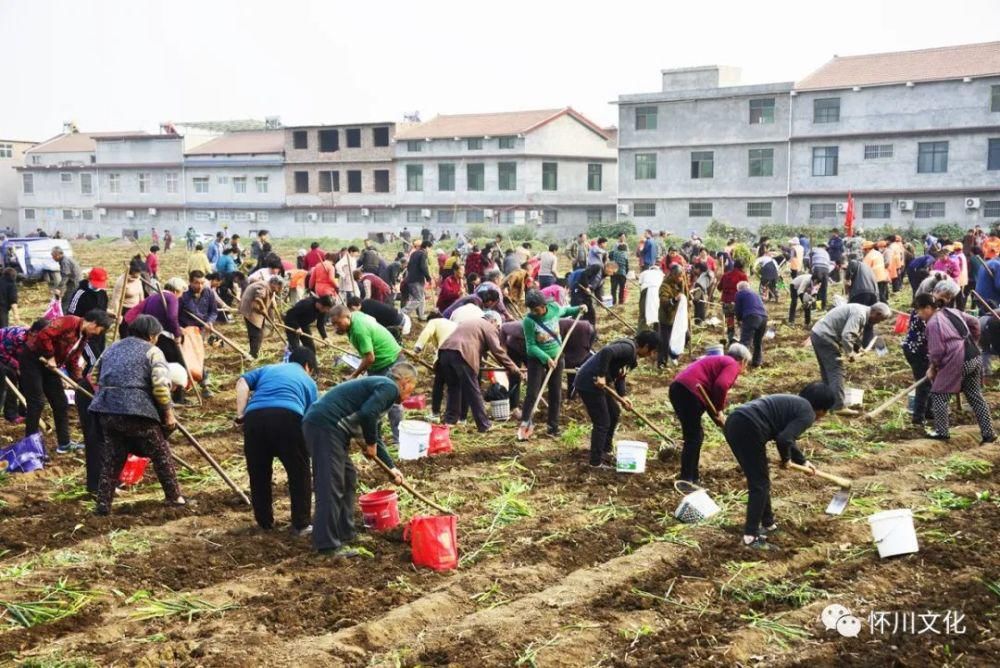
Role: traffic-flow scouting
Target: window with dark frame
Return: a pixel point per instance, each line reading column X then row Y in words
column 380, row 136
column 995, row 98
column 645, row 166
column 762, row 111
column 414, row 178
column 644, row 209
column 414, row 146
column 507, row 175
column 758, row 209
column 301, row 182
column 702, row 164
column 699, row 209
column 475, row 144
column 329, row 141
column 354, row 180
column 645, row 118
column 761, row 162
column 550, row 176
column 823, row 210
column 329, row 181
column 446, row 176
column 878, row 151
column 593, row 216
column 475, row 176
column 506, row 142
column 993, row 154
column 826, row 110
column 932, row 157
column 300, row 139
column 928, row 210
column 381, row 180
column 825, row 160
column 876, row 210
column 352, row 136
column 595, row 177
column 991, row 209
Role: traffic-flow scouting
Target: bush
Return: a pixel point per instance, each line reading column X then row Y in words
column 741, row 251
column 611, row 229
column 721, row 230
column 477, row 232
column 522, row 233
column 950, row 231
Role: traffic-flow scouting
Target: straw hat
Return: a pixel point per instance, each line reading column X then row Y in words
column 868, row 245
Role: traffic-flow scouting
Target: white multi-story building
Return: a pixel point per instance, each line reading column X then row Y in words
column 11, row 157
column 552, row 167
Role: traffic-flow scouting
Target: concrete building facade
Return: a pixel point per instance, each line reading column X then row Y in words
column 11, row 157
column 914, row 136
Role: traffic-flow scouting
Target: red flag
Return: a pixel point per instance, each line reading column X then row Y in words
column 849, row 216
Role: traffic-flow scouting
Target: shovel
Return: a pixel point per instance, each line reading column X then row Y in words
column 527, row 428
column 839, row 501
column 667, row 445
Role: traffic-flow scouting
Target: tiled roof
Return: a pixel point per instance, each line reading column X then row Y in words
column 272, row 141
column 75, row 142
column 489, row 125
column 943, row 63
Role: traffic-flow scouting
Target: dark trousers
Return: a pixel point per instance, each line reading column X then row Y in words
column 334, row 480
column 748, row 446
column 37, row 385
column 277, row 432
column 4, row 317
column 618, row 288
column 536, row 374
column 137, row 435
column 883, row 291
column 93, row 437
column 689, row 410
column 514, row 390
column 752, row 329
column 919, row 364
column 256, row 336
column 546, row 281
column 867, row 299
column 7, row 397
column 604, row 414
column 793, row 306
column 581, row 298
column 463, row 390
column 294, row 340
column 823, row 275
column 437, row 389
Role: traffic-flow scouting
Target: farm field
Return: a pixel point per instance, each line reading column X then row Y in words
column 560, row 565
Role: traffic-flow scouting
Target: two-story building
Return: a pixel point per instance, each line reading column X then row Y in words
column 11, row 157
column 553, row 167
column 914, row 136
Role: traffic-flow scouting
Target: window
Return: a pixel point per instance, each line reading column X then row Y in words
column 28, row 183
column 507, row 217
column 171, row 181
column 762, row 111
column 702, row 164
column 6, row 150
column 263, row 216
column 991, row 209
column 239, row 184
column 645, row 118
column 414, row 178
column 67, row 214
column 932, row 157
column 353, row 180
column 446, row 176
column 414, row 146
column 475, row 176
column 329, row 141
column 826, row 110
column 595, row 176
column 644, row 209
column 474, row 216
column 353, row 137
column 115, row 184
column 817, row 211
column 550, row 176
column 222, row 180
column 381, row 216
column 329, row 181
column 301, row 182
column 241, row 216
column 645, row 166
column 36, row 159
column 300, row 139
column 381, row 180
column 88, row 214
column 761, row 162
column 86, row 183
column 507, row 175
column 506, row 142
column 699, row 209
column 413, row 216
column 445, row 216
column 301, row 216
column 825, row 160
column 225, row 214
column 550, row 217
column 994, row 98
column 145, row 181
column 593, row 216
column 993, row 154
column 118, row 214
column 758, row 209
column 354, row 216
column 876, row 209
column 66, row 177
column 380, row 136
column 329, row 216
column 928, row 210
column 200, row 184
column 876, row 151
column 261, row 182
column 29, row 214
column 474, row 144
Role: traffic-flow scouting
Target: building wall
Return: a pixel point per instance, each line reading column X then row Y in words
column 10, row 180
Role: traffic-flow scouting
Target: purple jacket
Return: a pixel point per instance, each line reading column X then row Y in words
column 946, row 350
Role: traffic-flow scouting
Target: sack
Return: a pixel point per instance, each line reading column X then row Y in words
column 193, row 351
column 25, row 456
column 54, row 311
column 495, row 392
column 433, row 541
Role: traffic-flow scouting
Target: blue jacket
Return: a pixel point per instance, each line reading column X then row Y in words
column 988, row 286
column 836, row 248
column 284, row 385
column 747, row 303
column 225, row 265
column 649, row 252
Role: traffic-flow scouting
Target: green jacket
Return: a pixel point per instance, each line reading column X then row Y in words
column 538, row 343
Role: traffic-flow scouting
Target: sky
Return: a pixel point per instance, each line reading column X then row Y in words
column 129, row 65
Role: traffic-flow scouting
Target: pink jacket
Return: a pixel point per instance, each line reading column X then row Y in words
column 946, row 350
column 716, row 373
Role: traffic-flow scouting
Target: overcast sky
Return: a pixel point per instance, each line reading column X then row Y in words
column 127, row 65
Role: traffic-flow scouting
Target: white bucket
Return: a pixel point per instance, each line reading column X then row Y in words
column 414, row 439
column 893, row 532
column 695, row 507
column 609, row 300
column 631, row 456
column 352, row 361
column 853, row 397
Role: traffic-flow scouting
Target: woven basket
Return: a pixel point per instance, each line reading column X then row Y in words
column 500, row 410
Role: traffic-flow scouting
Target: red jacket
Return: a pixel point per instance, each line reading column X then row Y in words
column 314, row 257
column 450, row 291
column 728, row 283
column 60, row 339
column 715, row 373
column 380, row 290
column 474, row 264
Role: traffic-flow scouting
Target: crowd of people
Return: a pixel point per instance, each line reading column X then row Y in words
column 497, row 316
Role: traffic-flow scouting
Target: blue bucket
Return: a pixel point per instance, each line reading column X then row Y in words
column 25, row 456
column 713, row 351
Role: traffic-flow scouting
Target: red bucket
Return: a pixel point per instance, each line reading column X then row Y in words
column 440, row 442
column 416, row 402
column 902, row 323
column 379, row 510
column 433, row 541
column 132, row 471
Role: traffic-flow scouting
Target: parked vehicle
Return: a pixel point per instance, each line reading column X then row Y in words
column 32, row 256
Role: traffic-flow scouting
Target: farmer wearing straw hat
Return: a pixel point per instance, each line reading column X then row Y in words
column 350, row 410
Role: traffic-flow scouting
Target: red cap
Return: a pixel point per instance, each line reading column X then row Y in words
column 98, row 278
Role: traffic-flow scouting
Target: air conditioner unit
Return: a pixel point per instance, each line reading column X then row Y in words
column 971, row 202
column 488, row 213
column 533, row 214
column 905, row 204
column 426, row 213
column 366, row 212
column 624, row 209
column 102, row 212
column 130, row 213
column 211, row 215
column 152, row 211
column 313, row 217
column 841, row 207
column 251, row 215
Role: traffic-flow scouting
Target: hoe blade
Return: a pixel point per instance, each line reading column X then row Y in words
column 839, row 502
